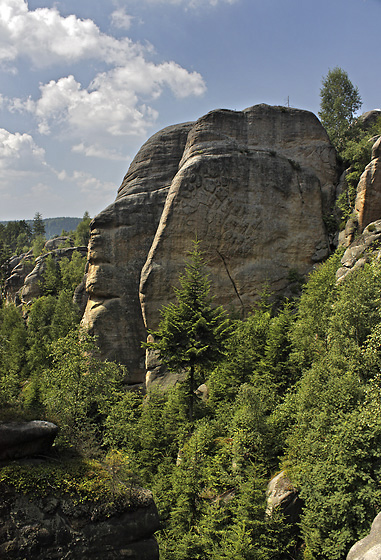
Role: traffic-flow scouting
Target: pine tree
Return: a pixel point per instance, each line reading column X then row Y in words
column 192, row 332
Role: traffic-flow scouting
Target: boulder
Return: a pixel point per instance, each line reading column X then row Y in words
column 252, row 185
column 282, row 494
column 57, row 242
column 370, row 118
column 120, row 239
column 369, row 548
column 25, row 439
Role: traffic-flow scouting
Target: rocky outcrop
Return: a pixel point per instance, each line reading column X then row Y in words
column 253, row 186
column 55, row 527
column 282, row 494
column 33, row 283
column 24, row 275
column 25, row 439
column 15, row 272
column 362, row 250
column 57, row 242
column 368, row 548
column 368, row 198
column 120, row 240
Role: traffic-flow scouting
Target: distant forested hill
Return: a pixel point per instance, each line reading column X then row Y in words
column 54, row 226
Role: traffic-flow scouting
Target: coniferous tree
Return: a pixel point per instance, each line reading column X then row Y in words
column 192, row 332
column 38, row 225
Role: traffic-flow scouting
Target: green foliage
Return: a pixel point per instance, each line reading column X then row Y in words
column 38, row 245
column 82, row 232
column 334, row 421
column 78, row 389
column 309, row 337
column 51, row 278
column 298, row 388
column 192, row 332
column 357, row 154
column 38, row 228
column 104, row 485
column 66, row 274
column 13, row 365
column 340, row 100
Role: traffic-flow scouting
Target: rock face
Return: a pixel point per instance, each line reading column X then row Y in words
column 16, row 270
column 54, row 527
column 31, row 288
column 25, row 439
column 362, row 250
column 282, row 494
column 368, row 199
column 24, row 274
column 253, row 186
column 368, row 548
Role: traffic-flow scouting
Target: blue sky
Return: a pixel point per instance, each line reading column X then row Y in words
column 84, row 83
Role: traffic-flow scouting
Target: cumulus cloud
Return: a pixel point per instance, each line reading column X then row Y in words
column 45, row 37
column 19, row 153
column 117, row 102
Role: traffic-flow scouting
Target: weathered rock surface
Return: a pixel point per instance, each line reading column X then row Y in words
column 368, row 198
column 24, row 274
column 58, row 242
column 253, row 186
column 368, row 548
column 57, row 528
column 25, row 439
column 282, row 494
column 32, row 286
column 121, row 237
column 370, row 118
column 16, row 270
column 362, row 250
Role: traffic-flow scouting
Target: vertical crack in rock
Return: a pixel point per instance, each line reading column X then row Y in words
column 233, row 283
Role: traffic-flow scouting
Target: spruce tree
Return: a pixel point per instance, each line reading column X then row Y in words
column 38, row 225
column 192, row 332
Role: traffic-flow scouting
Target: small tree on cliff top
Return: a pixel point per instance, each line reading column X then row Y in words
column 192, row 333
column 340, row 100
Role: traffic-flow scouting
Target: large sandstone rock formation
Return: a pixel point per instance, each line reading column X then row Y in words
column 368, row 199
column 253, row 186
column 369, row 548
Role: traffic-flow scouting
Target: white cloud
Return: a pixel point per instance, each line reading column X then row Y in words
column 19, row 153
column 118, row 101
column 46, row 38
column 115, row 104
column 100, row 193
column 120, row 19
column 98, row 151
